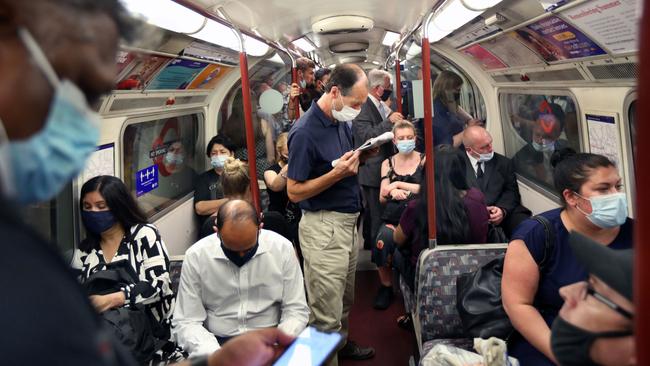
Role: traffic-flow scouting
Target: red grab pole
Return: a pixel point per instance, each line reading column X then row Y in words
column 250, row 130
column 428, row 132
column 642, row 235
column 398, row 86
column 294, row 80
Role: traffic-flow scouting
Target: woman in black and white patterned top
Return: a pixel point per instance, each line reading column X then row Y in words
column 117, row 230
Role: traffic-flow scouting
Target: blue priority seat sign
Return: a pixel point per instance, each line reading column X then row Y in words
column 146, row 180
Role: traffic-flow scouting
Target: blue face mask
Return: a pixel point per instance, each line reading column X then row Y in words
column 36, row 169
column 405, row 146
column 173, row 158
column 607, row 211
column 218, row 161
column 97, row 221
column 545, row 146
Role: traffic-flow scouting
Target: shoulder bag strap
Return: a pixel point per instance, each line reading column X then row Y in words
column 549, row 240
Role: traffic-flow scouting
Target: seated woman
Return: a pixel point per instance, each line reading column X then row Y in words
column 461, row 214
column 595, row 206
column 449, row 118
column 276, row 185
column 120, row 238
column 400, row 183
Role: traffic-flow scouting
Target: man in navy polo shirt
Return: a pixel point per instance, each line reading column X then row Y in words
column 330, row 200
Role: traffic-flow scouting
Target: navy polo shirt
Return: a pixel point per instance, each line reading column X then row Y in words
column 314, row 142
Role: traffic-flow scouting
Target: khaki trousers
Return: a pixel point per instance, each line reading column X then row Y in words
column 328, row 241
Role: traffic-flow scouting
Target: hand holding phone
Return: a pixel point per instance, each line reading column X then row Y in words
column 311, row 348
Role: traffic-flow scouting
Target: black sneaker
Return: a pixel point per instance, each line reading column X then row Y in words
column 352, row 351
column 384, row 298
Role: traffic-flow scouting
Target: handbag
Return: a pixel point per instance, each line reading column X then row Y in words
column 496, row 234
column 478, row 294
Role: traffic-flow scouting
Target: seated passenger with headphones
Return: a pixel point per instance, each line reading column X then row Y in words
column 240, row 279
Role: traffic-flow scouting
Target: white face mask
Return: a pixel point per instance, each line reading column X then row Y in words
column 346, row 114
column 483, row 158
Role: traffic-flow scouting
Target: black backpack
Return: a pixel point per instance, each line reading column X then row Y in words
column 478, row 294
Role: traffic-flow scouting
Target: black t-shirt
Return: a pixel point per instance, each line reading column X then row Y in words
column 208, row 187
column 277, row 200
column 47, row 317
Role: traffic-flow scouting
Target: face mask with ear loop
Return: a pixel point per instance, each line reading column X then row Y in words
column 36, row 169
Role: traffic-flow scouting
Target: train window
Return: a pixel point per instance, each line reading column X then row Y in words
column 534, row 126
column 631, row 117
column 161, row 158
column 53, row 220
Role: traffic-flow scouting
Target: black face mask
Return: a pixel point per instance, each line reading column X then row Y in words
column 386, row 94
column 238, row 260
column 571, row 344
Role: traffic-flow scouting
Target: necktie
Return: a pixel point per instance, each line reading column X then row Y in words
column 382, row 110
column 479, row 170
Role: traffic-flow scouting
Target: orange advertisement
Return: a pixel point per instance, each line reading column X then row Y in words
column 209, row 77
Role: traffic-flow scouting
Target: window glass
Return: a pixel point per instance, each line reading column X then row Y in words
column 535, row 125
column 53, row 220
column 631, row 117
column 161, row 158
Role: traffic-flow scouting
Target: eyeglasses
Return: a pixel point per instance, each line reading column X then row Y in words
column 612, row 305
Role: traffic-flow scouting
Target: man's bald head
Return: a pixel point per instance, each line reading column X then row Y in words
column 237, row 211
column 477, row 140
column 238, row 225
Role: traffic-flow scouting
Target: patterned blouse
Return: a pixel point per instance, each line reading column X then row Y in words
column 143, row 248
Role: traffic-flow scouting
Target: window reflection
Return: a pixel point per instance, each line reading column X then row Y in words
column 168, row 148
column 538, row 125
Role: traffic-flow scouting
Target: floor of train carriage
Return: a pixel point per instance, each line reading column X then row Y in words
column 377, row 328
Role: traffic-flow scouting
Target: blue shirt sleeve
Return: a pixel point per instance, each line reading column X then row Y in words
column 534, row 236
column 300, row 155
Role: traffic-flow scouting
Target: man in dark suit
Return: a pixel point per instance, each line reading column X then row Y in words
column 375, row 118
column 494, row 175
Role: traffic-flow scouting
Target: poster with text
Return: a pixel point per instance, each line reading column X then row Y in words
column 124, row 59
column 138, row 74
column 612, row 23
column 555, row 40
column 177, row 74
column 486, row 59
column 209, row 77
column 512, row 52
column 604, row 137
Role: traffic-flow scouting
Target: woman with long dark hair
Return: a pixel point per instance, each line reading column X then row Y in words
column 119, row 239
column 449, row 119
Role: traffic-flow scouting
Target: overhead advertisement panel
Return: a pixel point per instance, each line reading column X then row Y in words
column 486, row 59
column 512, row 52
column 471, row 32
column 177, row 75
column 556, row 40
column 209, row 77
column 137, row 70
column 612, row 23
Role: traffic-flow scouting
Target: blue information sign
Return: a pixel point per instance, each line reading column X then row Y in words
column 146, row 180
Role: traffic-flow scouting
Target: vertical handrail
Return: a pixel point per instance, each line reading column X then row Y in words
column 248, row 114
column 642, row 235
column 294, row 80
column 428, row 132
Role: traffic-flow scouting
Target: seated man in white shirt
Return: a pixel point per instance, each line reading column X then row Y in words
column 236, row 280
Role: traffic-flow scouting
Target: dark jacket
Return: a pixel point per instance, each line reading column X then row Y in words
column 369, row 124
column 499, row 182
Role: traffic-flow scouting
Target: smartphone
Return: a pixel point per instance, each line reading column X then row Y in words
column 311, row 348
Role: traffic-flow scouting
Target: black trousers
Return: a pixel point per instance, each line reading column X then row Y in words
column 371, row 214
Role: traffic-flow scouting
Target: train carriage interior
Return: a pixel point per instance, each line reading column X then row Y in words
column 522, row 63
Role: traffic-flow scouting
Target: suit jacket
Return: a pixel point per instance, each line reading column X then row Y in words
column 499, row 182
column 368, row 124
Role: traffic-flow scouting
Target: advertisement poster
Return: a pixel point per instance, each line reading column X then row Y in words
column 100, row 162
column 124, row 59
column 612, row 23
column 138, row 74
column 603, row 137
column 556, row 40
column 209, row 77
column 177, row 74
column 486, row 59
column 512, row 52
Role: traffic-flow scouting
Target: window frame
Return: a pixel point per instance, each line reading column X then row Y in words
column 200, row 112
column 628, row 148
column 509, row 128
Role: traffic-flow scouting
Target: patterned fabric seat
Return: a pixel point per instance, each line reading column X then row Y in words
column 436, row 318
column 409, row 297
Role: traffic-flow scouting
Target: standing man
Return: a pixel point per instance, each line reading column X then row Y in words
column 375, row 118
column 494, row 175
column 305, row 69
column 330, row 199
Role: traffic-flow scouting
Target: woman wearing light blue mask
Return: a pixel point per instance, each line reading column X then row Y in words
column 400, row 183
column 595, row 205
column 208, row 191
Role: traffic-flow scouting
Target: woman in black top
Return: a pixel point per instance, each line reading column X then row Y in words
column 275, row 177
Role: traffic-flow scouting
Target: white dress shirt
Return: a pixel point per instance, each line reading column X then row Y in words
column 474, row 162
column 215, row 297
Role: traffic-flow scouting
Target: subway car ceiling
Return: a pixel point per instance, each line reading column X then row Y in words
column 182, row 76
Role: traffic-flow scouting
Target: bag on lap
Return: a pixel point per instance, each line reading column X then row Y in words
column 478, row 294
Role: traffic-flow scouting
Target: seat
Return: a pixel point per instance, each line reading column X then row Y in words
column 436, row 319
